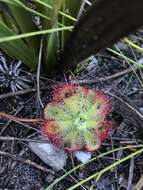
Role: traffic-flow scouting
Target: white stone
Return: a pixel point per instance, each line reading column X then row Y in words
column 49, row 154
column 82, row 156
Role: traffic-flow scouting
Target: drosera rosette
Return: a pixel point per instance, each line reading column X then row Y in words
column 76, row 118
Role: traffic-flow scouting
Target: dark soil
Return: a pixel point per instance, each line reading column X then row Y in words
column 126, row 94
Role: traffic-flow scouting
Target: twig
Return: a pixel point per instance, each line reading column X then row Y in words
column 38, row 74
column 29, row 162
column 27, row 126
column 18, row 120
column 2, row 138
column 21, row 92
column 102, row 79
column 74, row 179
column 132, row 67
column 131, row 173
column 25, row 120
column 126, row 140
column 126, row 110
column 124, row 72
column 84, row 2
column 114, row 157
column 127, row 104
column 4, row 127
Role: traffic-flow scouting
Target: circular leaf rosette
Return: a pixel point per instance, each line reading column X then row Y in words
column 76, row 118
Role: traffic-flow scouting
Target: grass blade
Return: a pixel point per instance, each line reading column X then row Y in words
column 20, row 4
column 72, row 8
column 24, row 20
column 100, row 173
column 18, row 49
column 12, row 37
column 91, row 160
column 51, row 41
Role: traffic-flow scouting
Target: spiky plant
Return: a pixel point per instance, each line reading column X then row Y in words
column 76, row 118
column 11, row 75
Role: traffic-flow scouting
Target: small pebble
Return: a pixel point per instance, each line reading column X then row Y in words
column 82, row 156
column 50, row 154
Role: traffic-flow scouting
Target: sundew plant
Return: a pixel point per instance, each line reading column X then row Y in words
column 76, row 118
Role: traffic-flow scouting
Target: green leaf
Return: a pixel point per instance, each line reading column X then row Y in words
column 25, row 23
column 17, row 49
column 21, row 5
column 7, row 19
column 57, row 112
column 51, row 52
column 46, row 5
column 25, row 35
column 74, row 103
column 91, row 141
column 71, row 7
column 51, row 41
column 49, row 11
